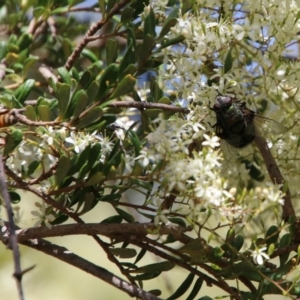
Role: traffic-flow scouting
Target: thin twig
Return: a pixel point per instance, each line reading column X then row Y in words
column 148, row 105
column 131, row 104
column 116, row 8
column 276, row 177
column 13, row 243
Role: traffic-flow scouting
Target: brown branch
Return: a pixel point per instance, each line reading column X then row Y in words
column 11, row 232
column 117, row 104
column 116, row 8
column 67, row 256
column 107, row 35
column 108, row 230
column 22, row 119
column 276, row 177
column 148, row 105
column 114, row 260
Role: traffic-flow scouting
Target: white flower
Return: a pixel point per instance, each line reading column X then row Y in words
column 80, row 141
column 259, row 255
column 212, row 142
column 161, row 217
column 43, row 217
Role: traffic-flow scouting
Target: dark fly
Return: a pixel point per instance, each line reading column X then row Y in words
column 238, row 125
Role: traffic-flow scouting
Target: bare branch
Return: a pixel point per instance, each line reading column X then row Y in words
column 92, row 30
column 13, row 243
column 108, row 230
column 67, row 256
column 148, row 105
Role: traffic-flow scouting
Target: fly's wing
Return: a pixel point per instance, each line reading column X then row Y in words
column 267, row 126
column 232, row 154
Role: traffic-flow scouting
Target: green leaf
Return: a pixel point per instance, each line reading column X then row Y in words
column 183, row 287
column 110, row 4
column 135, row 142
column 90, row 55
column 32, row 167
column 79, row 103
column 23, row 91
column 178, row 221
column 165, row 100
column 63, row 97
column 194, row 248
column 28, row 64
column 124, row 87
column 108, row 77
column 128, row 58
column 218, row 252
column 62, row 169
column 153, row 113
column 126, row 216
column 171, row 21
column 90, row 117
column 13, row 139
column 187, row 5
column 84, row 157
column 161, row 267
column 44, row 113
column 89, row 202
column 238, row 242
column 130, row 69
column 155, row 91
column 112, row 220
column 139, row 7
column 228, row 62
column 146, row 49
column 140, row 255
column 60, row 219
column 272, row 235
column 92, row 92
column 123, row 252
column 30, row 113
column 147, row 276
column 174, row 41
column 15, row 198
column 155, row 292
column 39, row 11
column 67, row 48
column 64, row 75
column 24, row 41
column 111, row 48
column 3, row 49
column 102, row 6
column 127, row 15
column 284, row 242
column 98, row 177
column 74, row 74
column 86, row 79
column 149, row 23
column 196, row 289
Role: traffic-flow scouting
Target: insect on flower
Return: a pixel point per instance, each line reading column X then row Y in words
column 239, row 125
